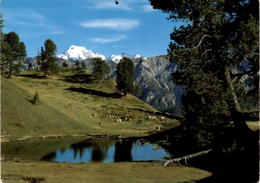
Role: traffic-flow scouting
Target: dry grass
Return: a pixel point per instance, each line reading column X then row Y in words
column 253, row 125
column 19, row 172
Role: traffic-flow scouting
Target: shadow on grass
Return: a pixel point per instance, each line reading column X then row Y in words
column 234, row 158
column 34, row 76
column 80, row 78
column 94, row 92
column 240, row 166
column 30, row 100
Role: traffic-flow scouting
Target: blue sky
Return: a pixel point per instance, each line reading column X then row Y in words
column 131, row 27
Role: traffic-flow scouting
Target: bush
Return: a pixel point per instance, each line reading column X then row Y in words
column 36, row 98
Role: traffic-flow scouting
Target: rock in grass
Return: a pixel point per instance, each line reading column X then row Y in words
column 36, row 98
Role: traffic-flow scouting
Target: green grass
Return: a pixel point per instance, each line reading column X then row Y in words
column 141, row 172
column 253, row 125
column 64, row 112
column 21, row 118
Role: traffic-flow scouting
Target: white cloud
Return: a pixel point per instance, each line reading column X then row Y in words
column 109, row 40
column 30, row 18
column 56, row 30
column 114, row 23
column 148, row 8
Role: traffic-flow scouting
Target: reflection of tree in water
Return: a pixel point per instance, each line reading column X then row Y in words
column 123, row 149
column 99, row 146
column 49, row 157
column 80, row 147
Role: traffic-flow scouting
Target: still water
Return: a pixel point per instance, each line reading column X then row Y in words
column 103, row 150
column 107, row 150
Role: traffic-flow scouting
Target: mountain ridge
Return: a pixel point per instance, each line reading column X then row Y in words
column 152, row 75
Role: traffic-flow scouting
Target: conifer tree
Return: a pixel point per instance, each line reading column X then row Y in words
column 124, row 76
column 101, row 69
column 217, row 36
column 12, row 53
column 47, row 59
column 77, row 63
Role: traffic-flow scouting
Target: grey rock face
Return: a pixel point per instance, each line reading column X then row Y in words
column 154, row 78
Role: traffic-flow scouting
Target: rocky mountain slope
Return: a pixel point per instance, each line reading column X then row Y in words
column 152, row 75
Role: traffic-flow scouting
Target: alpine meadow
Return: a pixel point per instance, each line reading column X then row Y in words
column 129, row 91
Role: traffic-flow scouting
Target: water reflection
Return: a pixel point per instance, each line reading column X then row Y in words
column 123, row 150
column 106, row 150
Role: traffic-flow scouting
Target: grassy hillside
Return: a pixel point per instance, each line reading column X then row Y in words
column 72, row 106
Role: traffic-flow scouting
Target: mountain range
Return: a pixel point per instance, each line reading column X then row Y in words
column 152, row 75
column 80, row 53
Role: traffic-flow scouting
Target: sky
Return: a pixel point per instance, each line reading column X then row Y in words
column 131, row 27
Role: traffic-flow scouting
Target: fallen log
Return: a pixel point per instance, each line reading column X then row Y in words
column 186, row 157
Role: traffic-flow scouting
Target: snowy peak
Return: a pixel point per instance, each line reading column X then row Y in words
column 117, row 58
column 79, row 53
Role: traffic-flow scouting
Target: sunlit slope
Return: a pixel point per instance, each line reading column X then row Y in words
column 19, row 117
column 71, row 108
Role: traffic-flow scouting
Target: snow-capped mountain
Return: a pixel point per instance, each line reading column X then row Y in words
column 152, row 75
column 79, row 53
column 117, row 58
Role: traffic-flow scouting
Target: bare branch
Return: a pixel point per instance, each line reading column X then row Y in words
column 234, row 80
column 207, row 50
column 203, row 37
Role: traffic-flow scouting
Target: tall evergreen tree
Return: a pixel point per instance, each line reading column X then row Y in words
column 124, row 76
column 218, row 35
column 13, row 52
column 1, row 27
column 47, row 58
column 101, row 69
column 77, row 63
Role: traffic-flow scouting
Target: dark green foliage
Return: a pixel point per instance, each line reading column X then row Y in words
column 217, row 35
column 101, row 69
column 64, row 64
column 30, row 66
column 124, row 76
column 47, row 59
column 77, row 63
column 12, row 53
column 1, row 26
column 83, row 65
column 137, row 91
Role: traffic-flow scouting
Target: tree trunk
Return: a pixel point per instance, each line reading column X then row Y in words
column 232, row 89
column 10, row 71
column 237, row 115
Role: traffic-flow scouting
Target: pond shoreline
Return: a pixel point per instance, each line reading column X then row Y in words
column 5, row 139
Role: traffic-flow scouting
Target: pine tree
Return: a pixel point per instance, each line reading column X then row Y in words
column 101, row 69
column 217, row 36
column 47, row 59
column 124, row 76
column 64, row 64
column 1, row 28
column 83, row 65
column 77, row 63
column 12, row 53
